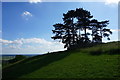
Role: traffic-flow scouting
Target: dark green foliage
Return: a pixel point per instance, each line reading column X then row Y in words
column 97, row 52
column 73, row 32
column 113, row 51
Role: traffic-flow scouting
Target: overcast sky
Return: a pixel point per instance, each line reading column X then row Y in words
column 26, row 26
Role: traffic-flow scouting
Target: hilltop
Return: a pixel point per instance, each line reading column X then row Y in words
column 100, row 61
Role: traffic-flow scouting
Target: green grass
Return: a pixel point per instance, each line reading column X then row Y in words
column 69, row 64
column 11, row 60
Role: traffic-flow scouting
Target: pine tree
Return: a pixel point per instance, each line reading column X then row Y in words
column 75, row 22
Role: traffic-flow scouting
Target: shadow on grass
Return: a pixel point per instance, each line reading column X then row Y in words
column 113, row 51
column 96, row 52
column 31, row 64
column 100, row 51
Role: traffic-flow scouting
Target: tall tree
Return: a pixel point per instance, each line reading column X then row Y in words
column 75, row 22
column 83, row 17
column 99, row 30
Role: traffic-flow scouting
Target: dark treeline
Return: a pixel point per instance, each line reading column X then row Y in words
column 77, row 28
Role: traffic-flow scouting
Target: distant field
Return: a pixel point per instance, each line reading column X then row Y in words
column 7, row 57
column 101, row 61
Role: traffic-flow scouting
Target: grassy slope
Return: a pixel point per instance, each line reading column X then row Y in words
column 73, row 64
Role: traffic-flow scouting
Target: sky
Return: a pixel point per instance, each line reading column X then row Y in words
column 27, row 26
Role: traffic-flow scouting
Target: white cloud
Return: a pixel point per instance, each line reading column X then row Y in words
column 107, row 2
column 105, row 40
column 26, row 15
column 114, row 30
column 111, row 2
column 30, row 45
column 36, row 40
column 5, row 42
column 35, row 1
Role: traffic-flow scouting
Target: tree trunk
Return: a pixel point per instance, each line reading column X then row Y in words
column 79, row 34
column 85, row 34
column 73, row 32
column 101, row 35
column 92, row 36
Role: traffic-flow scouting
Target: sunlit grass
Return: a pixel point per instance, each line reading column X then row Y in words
column 70, row 64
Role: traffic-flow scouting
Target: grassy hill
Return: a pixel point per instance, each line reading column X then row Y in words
column 100, row 61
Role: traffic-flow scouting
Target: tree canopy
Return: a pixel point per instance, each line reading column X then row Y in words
column 78, row 27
